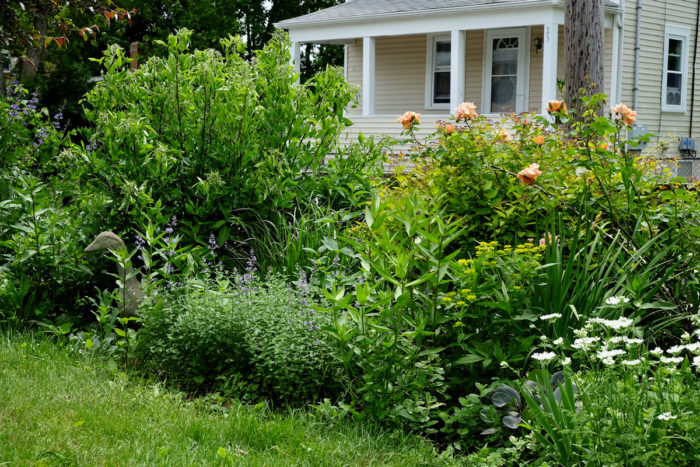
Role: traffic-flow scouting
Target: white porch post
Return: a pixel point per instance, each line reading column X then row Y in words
column 458, row 49
column 368, row 59
column 549, row 63
column 295, row 56
column 615, row 65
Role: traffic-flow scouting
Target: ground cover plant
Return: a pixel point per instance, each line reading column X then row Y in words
column 506, row 298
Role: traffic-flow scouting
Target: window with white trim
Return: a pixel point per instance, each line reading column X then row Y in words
column 438, row 72
column 675, row 71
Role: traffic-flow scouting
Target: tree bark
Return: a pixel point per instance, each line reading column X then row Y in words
column 30, row 66
column 3, row 85
column 585, row 20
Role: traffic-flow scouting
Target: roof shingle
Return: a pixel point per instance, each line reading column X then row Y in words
column 359, row 9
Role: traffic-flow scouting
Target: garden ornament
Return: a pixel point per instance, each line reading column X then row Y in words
column 132, row 292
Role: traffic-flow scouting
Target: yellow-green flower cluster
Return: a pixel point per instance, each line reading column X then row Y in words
column 529, row 248
column 468, row 265
column 483, row 247
column 467, row 294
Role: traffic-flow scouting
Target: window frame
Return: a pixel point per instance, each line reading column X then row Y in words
column 682, row 34
column 432, row 40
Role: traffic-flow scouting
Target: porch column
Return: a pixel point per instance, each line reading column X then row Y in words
column 368, row 56
column 295, row 58
column 549, row 63
column 458, row 50
column 615, row 65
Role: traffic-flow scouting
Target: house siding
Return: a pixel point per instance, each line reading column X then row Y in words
column 401, row 71
column 667, row 126
column 354, row 72
column 474, row 68
column 400, row 74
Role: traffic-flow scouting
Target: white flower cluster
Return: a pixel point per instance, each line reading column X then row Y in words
column 584, row 342
column 676, row 349
column 617, row 300
column 550, row 316
column 634, row 362
column 544, row 356
column 558, row 341
column 603, row 354
column 613, row 323
column 696, row 361
column 666, row 416
column 671, row 359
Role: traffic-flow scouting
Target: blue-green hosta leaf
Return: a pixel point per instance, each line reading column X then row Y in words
column 557, row 379
column 504, row 395
column 512, row 421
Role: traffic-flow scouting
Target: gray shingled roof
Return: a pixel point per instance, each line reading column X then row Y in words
column 362, row 9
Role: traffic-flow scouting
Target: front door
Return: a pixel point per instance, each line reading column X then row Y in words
column 505, row 71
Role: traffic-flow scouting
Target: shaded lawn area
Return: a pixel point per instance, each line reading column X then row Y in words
column 61, row 408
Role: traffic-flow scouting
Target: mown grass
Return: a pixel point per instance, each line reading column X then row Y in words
column 61, row 408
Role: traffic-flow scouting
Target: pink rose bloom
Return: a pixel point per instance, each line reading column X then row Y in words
column 529, row 174
column 466, row 111
column 409, row 119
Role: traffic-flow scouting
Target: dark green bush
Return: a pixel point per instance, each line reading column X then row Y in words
column 247, row 338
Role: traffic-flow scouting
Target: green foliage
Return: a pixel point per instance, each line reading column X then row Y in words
column 41, row 274
column 643, row 402
column 246, row 338
column 221, row 143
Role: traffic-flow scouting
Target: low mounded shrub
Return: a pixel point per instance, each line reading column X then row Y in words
column 247, row 338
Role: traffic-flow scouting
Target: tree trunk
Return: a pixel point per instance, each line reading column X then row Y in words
column 30, row 65
column 3, row 86
column 584, row 25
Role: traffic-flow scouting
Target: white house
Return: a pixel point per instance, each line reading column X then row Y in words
column 429, row 56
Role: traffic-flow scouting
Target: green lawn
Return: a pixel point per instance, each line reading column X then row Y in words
column 61, row 408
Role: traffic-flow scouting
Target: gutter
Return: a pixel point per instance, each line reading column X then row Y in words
column 637, row 38
column 290, row 23
column 692, row 87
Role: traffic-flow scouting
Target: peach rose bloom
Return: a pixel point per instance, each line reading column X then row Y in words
column 556, row 106
column 625, row 113
column 409, row 119
column 539, row 139
column 604, row 146
column 466, row 111
column 551, row 240
column 529, row 174
column 449, row 128
column 503, row 133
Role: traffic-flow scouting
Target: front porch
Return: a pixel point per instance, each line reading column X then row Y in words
column 510, row 67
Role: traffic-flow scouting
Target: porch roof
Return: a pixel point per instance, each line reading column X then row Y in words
column 359, row 10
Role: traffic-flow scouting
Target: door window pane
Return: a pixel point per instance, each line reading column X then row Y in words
column 504, row 74
column 441, row 72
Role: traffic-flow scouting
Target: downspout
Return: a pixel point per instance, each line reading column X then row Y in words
column 635, row 89
column 692, row 87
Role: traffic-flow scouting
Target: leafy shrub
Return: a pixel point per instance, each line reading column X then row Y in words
column 43, row 220
column 247, row 338
column 226, row 145
column 613, row 392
